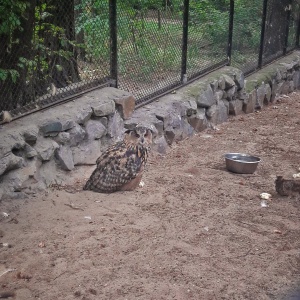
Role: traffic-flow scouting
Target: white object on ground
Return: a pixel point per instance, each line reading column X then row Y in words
column 142, row 183
column 265, row 196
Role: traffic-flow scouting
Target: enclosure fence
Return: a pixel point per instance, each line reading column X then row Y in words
column 52, row 51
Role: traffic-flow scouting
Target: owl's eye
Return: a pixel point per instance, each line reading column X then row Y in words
column 136, row 134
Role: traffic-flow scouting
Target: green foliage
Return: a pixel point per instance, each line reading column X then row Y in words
column 93, row 20
column 247, row 24
column 37, row 65
column 12, row 12
column 4, row 74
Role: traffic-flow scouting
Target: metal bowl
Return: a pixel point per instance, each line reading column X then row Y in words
column 241, row 163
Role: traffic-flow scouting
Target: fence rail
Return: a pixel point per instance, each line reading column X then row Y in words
column 52, row 51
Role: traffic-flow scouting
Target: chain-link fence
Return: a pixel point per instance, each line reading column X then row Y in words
column 207, row 36
column 263, row 31
column 149, row 48
column 52, row 50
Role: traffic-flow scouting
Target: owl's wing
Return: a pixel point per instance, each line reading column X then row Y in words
column 117, row 166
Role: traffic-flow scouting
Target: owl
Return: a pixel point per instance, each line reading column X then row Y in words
column 121, row 166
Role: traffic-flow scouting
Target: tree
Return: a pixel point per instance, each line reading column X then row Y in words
column 276, row 25
column 38, row 48
column 16, row 31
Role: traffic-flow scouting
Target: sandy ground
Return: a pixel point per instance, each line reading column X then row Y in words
column 194, row 231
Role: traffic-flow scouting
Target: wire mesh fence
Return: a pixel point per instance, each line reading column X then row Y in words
column 149, row 48
column 277, row 18
column 207, row 36
column 52, row 50
column 56, row 50
column 247, row 25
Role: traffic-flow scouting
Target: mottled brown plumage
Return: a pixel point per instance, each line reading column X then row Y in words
column 121, row 166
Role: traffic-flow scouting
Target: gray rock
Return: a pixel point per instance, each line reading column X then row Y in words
column 48, row 173
column 268, row 94
column 219, row 95
column 11, row 142
column 185, row 108
column 229, row 82
column 23, row 179
column 206, row 98
column 210, row 112
column 241, row 94
column 77, row 135
column 104, row 121
column 64, row 156
column 95, row 129
column 214, row 85
column 179, row 131
column 29, row 151
column 84, row 115
column 260, row 94
column 278, row 76
column 296, row 79
column 187, row 129
column 274, row 89
column 290, row 75
column 104, row 109
column 87, row 153
column 160, row 145
column 223, row 111
column 67, row 124
column 30, row 134
column 170, row 135
column 239, row 80
column 125, row 106
column 221, row 83
column 235, row 107
column 285, row 89
column 9, row 162
column 218, row 113
column 141, row 116
column 116, row 126
column 45, row 149
column 291, row 86
column 63, row 138
column 250, row 102
column 53, row 127
column 199, row 121
column 288, row 66
column 230, row 94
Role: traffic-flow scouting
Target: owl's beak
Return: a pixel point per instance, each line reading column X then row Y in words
column 142, row 140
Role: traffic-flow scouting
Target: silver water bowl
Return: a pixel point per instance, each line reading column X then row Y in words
column 241, row 163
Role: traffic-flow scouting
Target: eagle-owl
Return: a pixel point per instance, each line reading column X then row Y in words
column 121, row 166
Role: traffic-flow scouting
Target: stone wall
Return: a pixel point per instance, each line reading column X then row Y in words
column 47, row 147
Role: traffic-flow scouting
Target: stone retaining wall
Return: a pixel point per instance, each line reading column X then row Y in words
column 46, row 147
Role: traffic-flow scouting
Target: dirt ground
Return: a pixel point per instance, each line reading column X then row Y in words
column 193, row 231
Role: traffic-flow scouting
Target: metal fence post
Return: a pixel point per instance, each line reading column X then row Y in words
column 230, row 32
column 113, row 41
column 288, row 18
column 185, row 30
column 262, row 34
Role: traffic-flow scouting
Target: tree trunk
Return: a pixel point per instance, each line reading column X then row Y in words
column 275, row 27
